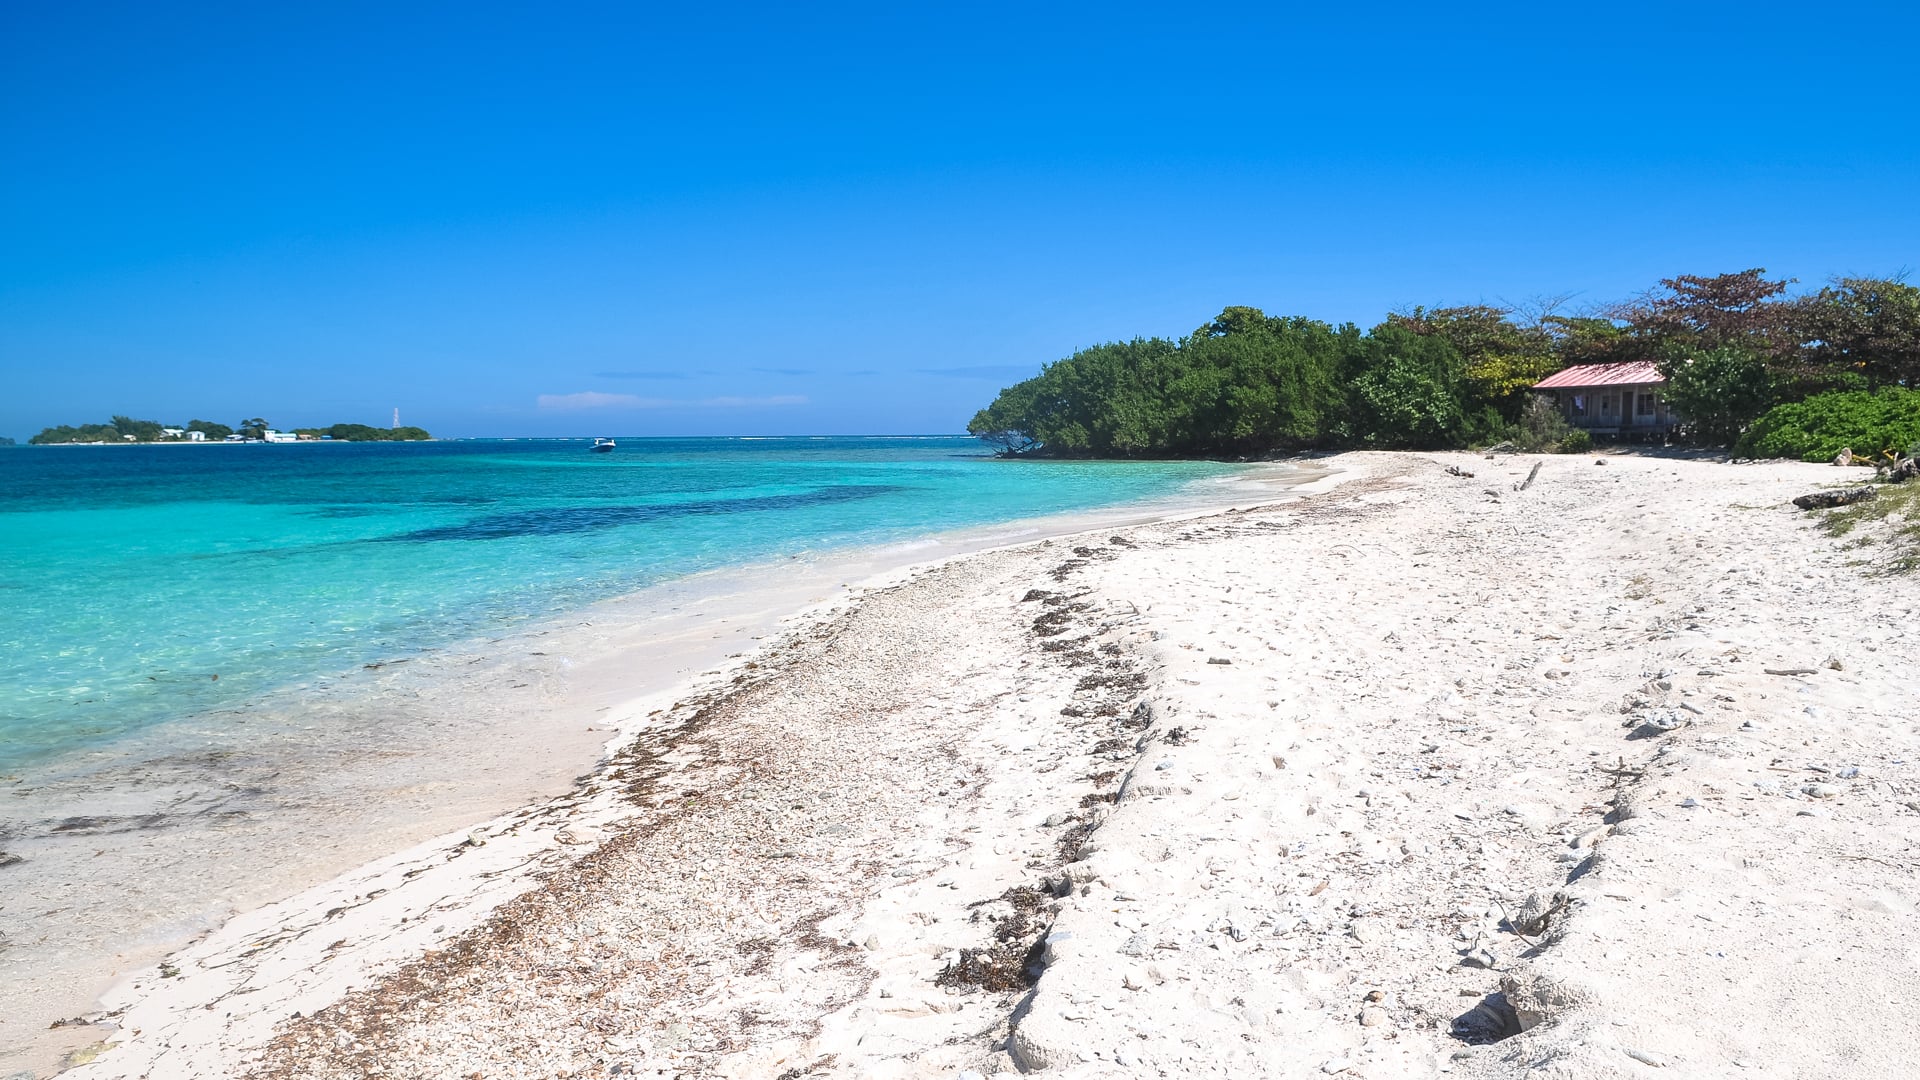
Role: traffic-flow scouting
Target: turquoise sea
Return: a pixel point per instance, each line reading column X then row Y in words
column 141, row 584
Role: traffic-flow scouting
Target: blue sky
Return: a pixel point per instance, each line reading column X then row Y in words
column 580, row 219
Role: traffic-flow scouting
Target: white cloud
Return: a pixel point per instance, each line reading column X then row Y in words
column 751, row 402
column 594, row 399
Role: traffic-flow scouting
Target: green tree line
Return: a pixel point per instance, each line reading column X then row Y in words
column 364, row 433
column 1732, row 347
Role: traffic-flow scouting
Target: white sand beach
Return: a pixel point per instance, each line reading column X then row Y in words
column 1613, row 775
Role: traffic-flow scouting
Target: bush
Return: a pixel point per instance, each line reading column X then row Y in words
column 1487, row 427
column 1720, row 392
column 1405, row 389
column 1576, row 442
column 1817, row 429
column 1542, row 427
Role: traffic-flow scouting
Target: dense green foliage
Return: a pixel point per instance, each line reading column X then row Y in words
column 1405, row 389
column 126, row 429
column 1249, row 383
column 85, row 433
column 1871, row 424
column 119, row 429
column 363, row 433
column 1731, row 346
column 1866, row 327
column 1242, row 383
column 139, row 430
column 1720, row 391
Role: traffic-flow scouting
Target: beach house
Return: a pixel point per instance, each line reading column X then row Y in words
column 1623, row 399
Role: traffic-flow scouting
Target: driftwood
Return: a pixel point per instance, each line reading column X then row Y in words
column 1826, row 500
column 1455, row 470
column 1528, row 482
column 1903, row 470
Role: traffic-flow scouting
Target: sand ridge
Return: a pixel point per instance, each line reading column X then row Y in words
column 1426, row 774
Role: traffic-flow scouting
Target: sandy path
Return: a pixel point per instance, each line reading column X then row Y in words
column 1440, row 701
column 1269, row 793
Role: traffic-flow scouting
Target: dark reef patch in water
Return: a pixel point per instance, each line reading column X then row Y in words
column 111, row 824
column 342, row 512
column 571, row 519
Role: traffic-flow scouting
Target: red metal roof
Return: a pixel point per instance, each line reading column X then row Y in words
column 1627, row 374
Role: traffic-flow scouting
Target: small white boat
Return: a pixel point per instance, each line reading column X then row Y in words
column 603, row 446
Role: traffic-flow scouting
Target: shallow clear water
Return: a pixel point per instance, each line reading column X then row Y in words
column 143, row 584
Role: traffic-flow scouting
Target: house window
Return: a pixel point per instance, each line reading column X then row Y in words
column 1646, row 404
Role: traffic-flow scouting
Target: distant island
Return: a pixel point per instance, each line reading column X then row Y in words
column 123, row 429
column 363, row 433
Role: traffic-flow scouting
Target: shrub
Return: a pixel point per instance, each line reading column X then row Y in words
column 1720, row 391
column 1817, row 429
column 1486, row 427
column 1576, row 442
column 1542, row 427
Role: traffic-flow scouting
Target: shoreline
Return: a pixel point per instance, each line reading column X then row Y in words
column 682, row 629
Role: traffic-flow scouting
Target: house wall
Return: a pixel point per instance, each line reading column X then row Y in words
column 1639, row 408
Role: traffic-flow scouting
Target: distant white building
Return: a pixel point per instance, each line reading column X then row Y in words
column 195, row 436
column 236, row 437
column 173, row 433
column 271, row 435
